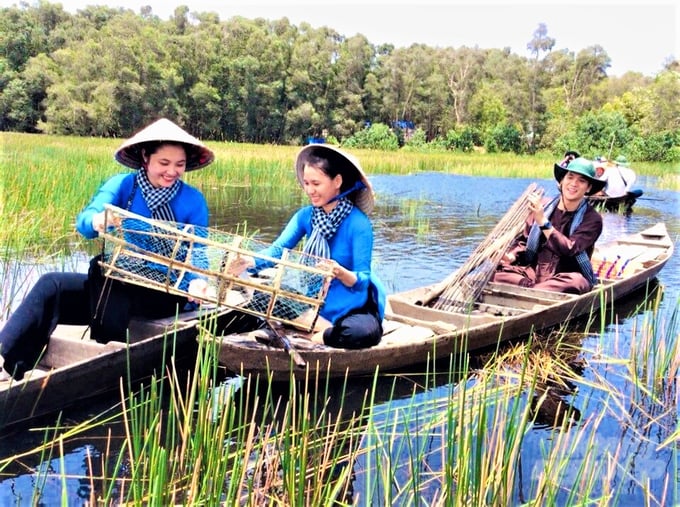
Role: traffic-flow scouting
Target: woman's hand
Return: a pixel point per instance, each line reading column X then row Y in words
column 240, row 264
column 346, row 277
column 99, row 221
column 199, row 291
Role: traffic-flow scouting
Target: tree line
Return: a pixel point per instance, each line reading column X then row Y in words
column 108, row 71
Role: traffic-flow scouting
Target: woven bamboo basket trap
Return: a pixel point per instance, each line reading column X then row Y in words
column 166, row 256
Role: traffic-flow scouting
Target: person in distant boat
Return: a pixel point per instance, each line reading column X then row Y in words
column 336, row 226
column 569, row 155
column 159, row 154
column 554, row 251
column 600, row 164
column 618, row 177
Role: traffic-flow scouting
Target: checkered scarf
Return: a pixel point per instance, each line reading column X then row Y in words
column 324, row 227
column 158, row 199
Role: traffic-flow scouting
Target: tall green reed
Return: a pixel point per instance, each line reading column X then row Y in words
column 53, row 177
column 192, row 440
column 208, row 445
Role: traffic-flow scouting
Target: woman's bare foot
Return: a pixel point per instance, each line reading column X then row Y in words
column 317, row 337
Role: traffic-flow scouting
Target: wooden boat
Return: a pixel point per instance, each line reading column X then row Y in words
column 75, row 367
column 623, row 204
column 414, row 334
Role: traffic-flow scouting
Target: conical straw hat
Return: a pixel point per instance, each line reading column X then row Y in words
column 130, row 154
column 364, row 198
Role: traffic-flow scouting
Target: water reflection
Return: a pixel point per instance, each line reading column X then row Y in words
column 83, row 464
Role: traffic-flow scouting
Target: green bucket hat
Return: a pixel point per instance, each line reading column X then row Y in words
column 622, row 161
column 585, row 168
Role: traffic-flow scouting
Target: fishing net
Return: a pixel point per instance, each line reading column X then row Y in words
column 460, row 291
column 167, row 256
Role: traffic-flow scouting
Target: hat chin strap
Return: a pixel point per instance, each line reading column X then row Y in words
column 357, row 186
column 564, row 204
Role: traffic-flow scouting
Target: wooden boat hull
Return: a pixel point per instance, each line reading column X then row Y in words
column 75, row 368
column 415, row 333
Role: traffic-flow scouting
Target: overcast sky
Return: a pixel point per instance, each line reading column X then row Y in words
column 637, row 35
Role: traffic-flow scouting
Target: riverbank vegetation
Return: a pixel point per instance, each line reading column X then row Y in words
column 53, row 177
column 107, row 72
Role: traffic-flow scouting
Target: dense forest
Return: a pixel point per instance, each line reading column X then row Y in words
column 107, row 72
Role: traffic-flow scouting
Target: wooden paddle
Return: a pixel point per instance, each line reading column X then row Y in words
column 280, row 340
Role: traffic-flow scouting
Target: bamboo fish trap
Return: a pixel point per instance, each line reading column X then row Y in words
column 460, row 290
column 166, row 256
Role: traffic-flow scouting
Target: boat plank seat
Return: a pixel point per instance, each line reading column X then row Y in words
column 437, row 326
column 441, row 321
column 405, row 333
column 520, row 299
column 67, row 348
column 71, row 343
column 515, row 290
column 499, row 310
column 522, row 303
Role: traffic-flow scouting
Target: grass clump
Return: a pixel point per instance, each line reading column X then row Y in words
column 53, row 177
column 554, row 420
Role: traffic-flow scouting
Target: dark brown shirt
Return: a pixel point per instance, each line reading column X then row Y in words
column 558, row 253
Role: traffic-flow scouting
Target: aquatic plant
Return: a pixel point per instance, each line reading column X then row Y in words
column 534, row 424
column 53, row 177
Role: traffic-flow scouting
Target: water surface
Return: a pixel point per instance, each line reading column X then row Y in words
column 426, row 225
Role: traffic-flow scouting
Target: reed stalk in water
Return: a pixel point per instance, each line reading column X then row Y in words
column 534, row 424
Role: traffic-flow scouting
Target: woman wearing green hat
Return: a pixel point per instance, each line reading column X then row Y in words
column 554, row 251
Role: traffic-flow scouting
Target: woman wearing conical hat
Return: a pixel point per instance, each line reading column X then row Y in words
column 559, row 238
column 336, row 227
column 160, row 154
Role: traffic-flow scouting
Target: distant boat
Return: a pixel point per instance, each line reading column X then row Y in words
column 623, row 175
column 623, row 204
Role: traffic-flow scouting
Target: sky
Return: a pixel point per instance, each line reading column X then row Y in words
column 637, row 35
